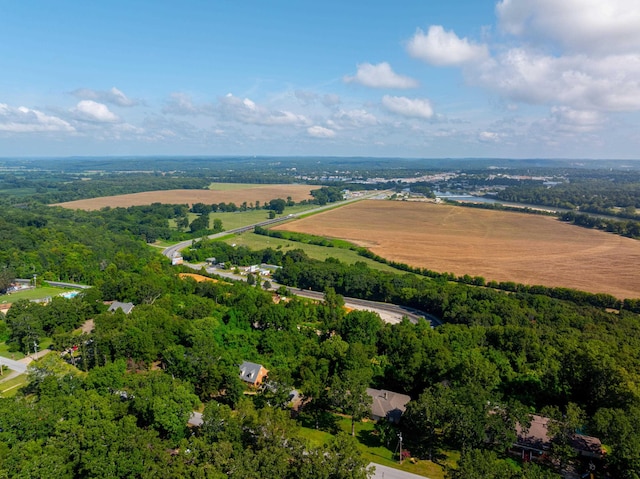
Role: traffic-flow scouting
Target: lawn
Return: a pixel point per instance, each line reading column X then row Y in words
column 10, row 388
column 37, row 293
column 4, row 352
column 257, row 242
column 373, row 451
column 243, row 218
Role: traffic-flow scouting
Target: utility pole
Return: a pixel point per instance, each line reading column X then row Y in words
column 400, row 446
column 35, row 349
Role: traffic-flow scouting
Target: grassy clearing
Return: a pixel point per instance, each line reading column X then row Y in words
column 256, row 242
column 239, row 219
column 4, row 352
column 44, row 343
column 11, row 387
column 373, row 451
column 37, row 293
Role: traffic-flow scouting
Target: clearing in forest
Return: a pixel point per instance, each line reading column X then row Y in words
column 498, row 245
column 218, row 193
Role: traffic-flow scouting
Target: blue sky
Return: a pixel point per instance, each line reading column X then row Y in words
column 512, row 78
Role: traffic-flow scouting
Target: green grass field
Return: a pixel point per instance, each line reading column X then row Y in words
column 37, row 293
column 4, row 352
column 256, row 242
column 374, row 452
column 4, row 349
column 11, row 387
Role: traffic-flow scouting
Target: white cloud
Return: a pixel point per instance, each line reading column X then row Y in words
column 489, row 137
column 247, row 111
column 113, row 96
column 609, row 84
column 578, row 121
column 583, row 26
column 380, row 76
column 25, row 120
column 442, row 48
column 417, row 107
column 320, row 132
column 88, row 110
column 356, row 118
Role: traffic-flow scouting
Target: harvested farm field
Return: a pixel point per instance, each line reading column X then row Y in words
column 217, row 194
column 498, row 245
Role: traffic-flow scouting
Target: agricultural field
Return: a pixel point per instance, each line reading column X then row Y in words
column 258, row 242
column 217, row 193
column 498, row 245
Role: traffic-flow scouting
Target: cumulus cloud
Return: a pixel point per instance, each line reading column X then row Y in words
column 320, row 132
column 583, row 26
column 441, row 48
column 356, row 118
column 582, row 55
column 247, row 111
column 416, row 107
column 577, row 81
column 112, row 96
column 380, row 76
column 25, row 120
column 579, row 121
column 89, row 110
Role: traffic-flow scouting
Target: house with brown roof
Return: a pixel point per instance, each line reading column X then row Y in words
column 253, row 373
column 387, row 404
column 536, row 441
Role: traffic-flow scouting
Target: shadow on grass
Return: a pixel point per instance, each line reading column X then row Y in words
column 324, row 421
column 370, row 438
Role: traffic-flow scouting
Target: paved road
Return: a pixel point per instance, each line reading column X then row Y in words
column 385, row 472
column 390, row 313
column 17, row 366
column 168, row 252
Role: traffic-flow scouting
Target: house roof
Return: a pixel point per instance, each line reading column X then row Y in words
column 125, row 307
column 537, row 438
column 252, row 372
column 388, row 404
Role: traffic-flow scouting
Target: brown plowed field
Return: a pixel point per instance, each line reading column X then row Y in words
column 249, row 194
column 498, row 245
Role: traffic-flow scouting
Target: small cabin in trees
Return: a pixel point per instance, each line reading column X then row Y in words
column 253, row 373
column 125, row 307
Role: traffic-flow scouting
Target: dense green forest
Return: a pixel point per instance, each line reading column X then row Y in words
column 115, row 402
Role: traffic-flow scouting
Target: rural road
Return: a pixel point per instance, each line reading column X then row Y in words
column 17, row 366
column 390, row 313
column 168, row 252
column 386, row 472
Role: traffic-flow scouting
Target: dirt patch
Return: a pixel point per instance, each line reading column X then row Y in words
column 261, row 193
column 498, row 245
column 198, row 277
